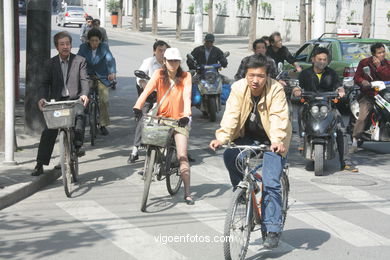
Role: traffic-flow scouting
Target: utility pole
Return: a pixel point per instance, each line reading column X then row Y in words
column 252, row 23
column 310, row 19
column 319, row 18
column 155, row 18
column 179, row 7
column 37, row 52
column 2, row 97
column 367, row 11
column 302, row 20
column 103, row 13
column 9, row 73
column 198, row 33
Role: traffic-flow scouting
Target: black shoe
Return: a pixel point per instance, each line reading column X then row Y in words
column 309, row 166
column 38, row 170
column 190, row 159
column 80, row 152
column 272, row 240
column 103, row 130
column 189, row 200
column 132, row 158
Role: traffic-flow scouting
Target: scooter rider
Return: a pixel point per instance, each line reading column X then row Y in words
column 380, row 70
column 257, row 110
column 207, row 54
column 149, row 66
column 320, row 78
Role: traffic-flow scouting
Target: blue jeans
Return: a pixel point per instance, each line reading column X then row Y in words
column 271, row 172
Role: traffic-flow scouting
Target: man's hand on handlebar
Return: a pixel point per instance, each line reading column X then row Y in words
column 214, row 144
column 278, row 148
column 138, row 114
column 84, row 99
column 183, row 122
column 41, row 103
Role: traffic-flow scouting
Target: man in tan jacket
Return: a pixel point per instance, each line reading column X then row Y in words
column 257, row 110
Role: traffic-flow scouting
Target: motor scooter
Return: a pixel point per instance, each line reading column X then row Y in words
column 209, row 84
column 319, row 125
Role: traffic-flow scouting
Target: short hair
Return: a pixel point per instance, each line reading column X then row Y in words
column 265, row 38
column 160, row 43
column 257, row 41
column 257, row 61
column 376, row 46
column 89, row 18
column 60, row 35
column 320, row 50
column 94, row 32
column 273, row 35
column 96, row 22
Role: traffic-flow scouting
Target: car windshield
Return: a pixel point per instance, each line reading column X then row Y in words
column 359, row 50
column 75, row 9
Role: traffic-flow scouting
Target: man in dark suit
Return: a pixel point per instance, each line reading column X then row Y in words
column 207, row 54
column 64, row 78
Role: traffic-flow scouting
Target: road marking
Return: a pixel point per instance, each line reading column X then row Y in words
column 124, row 235
column 351, row 193
column 337, row 227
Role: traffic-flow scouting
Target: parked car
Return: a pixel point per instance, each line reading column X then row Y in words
column 345, row 53
column 71, row 15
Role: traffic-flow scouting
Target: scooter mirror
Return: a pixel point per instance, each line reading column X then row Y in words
column 141, row 74
column 226, row 54
column 367, row 70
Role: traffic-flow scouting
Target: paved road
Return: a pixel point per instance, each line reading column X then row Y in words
column 339, row 216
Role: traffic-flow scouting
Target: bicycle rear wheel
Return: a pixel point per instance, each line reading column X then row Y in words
column 173, row 179
column 148, row 171
column 285, row 190
column 92, row 121
column 65, row 158
column 237, row 232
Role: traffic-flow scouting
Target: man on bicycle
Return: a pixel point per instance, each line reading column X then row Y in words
column 257, row 110
column 64, row 78
column 149, row 66
column 100, row 63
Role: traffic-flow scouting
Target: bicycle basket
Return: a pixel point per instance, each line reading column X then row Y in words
column 59, row 115
column 155, row 133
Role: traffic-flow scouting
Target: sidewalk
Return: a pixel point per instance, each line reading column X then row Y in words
column 15, row 180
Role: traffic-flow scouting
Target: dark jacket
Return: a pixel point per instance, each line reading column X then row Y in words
column 382, row 73
column 215, row 57
column 53, row 83
column 102, row 64
column 272, row 71
column 281, row 55
column 309, row 81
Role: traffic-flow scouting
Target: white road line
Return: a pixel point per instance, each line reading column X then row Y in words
column 124, row 235
column 351, row 193
column 337, row 227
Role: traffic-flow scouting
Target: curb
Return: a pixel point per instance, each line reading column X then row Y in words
column 20, row 191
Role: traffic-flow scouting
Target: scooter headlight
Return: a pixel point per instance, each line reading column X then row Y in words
column 324, row 110
column 314, row 110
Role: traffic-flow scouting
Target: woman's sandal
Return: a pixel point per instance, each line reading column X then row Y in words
column 189, row 200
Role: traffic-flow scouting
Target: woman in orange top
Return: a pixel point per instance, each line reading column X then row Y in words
column 176, row 105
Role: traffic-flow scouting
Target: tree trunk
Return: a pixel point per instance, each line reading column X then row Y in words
column 2, row 86
column 366, row 27
column 120, row 14
column 310, row 19
column 210, row 14
column 144, row 13
column 179, row 6
column 252, row 23
column 154, row 18
column 198, row 32
column 135, row 13
column 302, row 19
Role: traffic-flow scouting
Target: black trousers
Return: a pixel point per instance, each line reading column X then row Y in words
column 49, row 136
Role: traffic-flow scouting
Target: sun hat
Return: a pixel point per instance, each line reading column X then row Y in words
column 172, row 54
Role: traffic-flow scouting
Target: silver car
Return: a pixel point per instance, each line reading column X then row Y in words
column 71, row 15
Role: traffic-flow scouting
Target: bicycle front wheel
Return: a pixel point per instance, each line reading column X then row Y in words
column 65, row 158
column 237, row 231
column 92, row 121
column 173, row 179
column 148, row 174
